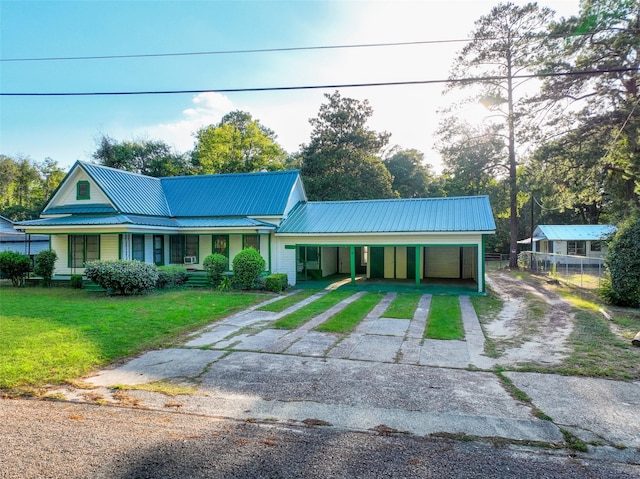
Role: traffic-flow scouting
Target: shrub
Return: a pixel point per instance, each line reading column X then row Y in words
column 247, row 266
column 171, row 276
column 45, row 264
column 276, row 282
column 76, row 281
column 124, row 277
column 623, row 264
column 225, row 285
column 215, row 265
column 15, row 266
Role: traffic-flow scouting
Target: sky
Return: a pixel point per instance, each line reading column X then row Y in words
column 66, row 128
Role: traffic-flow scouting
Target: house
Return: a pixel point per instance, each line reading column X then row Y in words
column 104, row 213
column 575, row 240
column 18, row 241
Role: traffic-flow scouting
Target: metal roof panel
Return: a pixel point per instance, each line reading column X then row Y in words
column 471, row 213
column 575, row 232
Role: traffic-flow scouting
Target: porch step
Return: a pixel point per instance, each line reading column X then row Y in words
column 198, row 281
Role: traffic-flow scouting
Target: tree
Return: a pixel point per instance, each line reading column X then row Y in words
column 412, row 177
column 25, row 186
column 623, row 264
column 146, row 157
column 342, row 160
column 604, row 38
column 504, row 46
column 238, row 144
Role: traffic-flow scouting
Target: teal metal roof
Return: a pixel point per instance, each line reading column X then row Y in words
column 241, row 194
column 130, row 192
column 574, row 232
column 121, row 219
column 81, row 209
column 471, row 213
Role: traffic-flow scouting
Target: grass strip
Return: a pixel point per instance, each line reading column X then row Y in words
column 295, row 319
column 445, row 318
column 52, row 335
column 349, row 317
column 403, row 306
column 288, row 301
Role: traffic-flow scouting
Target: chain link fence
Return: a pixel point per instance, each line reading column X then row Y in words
column 581, row 271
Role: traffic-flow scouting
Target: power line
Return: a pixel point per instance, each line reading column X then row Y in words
column 282, row 49
column 235, row 52
column 322, row 87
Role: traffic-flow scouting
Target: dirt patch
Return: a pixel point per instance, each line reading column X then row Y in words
column 521, row 337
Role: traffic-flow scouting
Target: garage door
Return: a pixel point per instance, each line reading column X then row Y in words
column 442, row 262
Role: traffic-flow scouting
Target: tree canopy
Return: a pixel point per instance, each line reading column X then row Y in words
column 343, row 159
column 146, row 157
column 237, row 144
column 412, row 177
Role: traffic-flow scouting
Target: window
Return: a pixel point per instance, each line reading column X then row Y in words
column 251, row 241
column 137, row 247
column 82, row 190
column 221, row 246
column 182, row 246
column 158, row 250
column 596, row 246
column 83, row 248
column 577, row 248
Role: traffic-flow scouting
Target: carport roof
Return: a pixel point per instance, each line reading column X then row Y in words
column 455, row 214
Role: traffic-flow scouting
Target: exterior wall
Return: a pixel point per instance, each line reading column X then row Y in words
column 389, row 262
column 401, row 263
column 344, row 260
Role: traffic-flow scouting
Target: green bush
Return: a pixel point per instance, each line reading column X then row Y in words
column 45, row 264
column 15, row 266
column 171, row 276
column 76, row 281
column 124, row 277
column 247, row 266
column 225, row 284
column 215, row 266
column 277, row 282
column 623, row 264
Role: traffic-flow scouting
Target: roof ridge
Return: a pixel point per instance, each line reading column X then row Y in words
column 247, row 173
column 96, row 165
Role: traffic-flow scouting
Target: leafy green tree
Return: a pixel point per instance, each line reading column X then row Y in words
column 505, row 45
column 412, row 177
column 147, row 157
column 25, row 186
column 623, row 264
column 238, row 144
column 45, row 265
column 15, row 265
column 342, row 160
column 603, row 38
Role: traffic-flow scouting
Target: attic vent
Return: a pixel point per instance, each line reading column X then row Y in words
column 82, row 190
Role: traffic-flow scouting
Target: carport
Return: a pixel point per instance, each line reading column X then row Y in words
column 412, row 240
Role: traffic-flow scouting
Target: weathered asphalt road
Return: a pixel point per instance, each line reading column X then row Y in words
column 55, row 439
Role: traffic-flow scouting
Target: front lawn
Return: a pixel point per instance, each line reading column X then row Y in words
column 347, row 319
column 403, row 306
column 50, row 336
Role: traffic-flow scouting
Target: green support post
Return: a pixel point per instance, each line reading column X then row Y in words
column 352, row 259
column 418, row 265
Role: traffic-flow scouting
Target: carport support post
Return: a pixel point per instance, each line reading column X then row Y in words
column 418, row 265
column 352, row 261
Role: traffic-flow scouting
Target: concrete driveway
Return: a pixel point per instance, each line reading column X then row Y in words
column 382, row 376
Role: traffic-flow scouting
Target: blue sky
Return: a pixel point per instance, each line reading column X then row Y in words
column 66, row 128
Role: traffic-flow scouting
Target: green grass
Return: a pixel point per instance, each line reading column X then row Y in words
column 403, row 306
column 53, row 335
column 445, row 318
column 311, row 310
column 288, row 301
column 349, row 317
